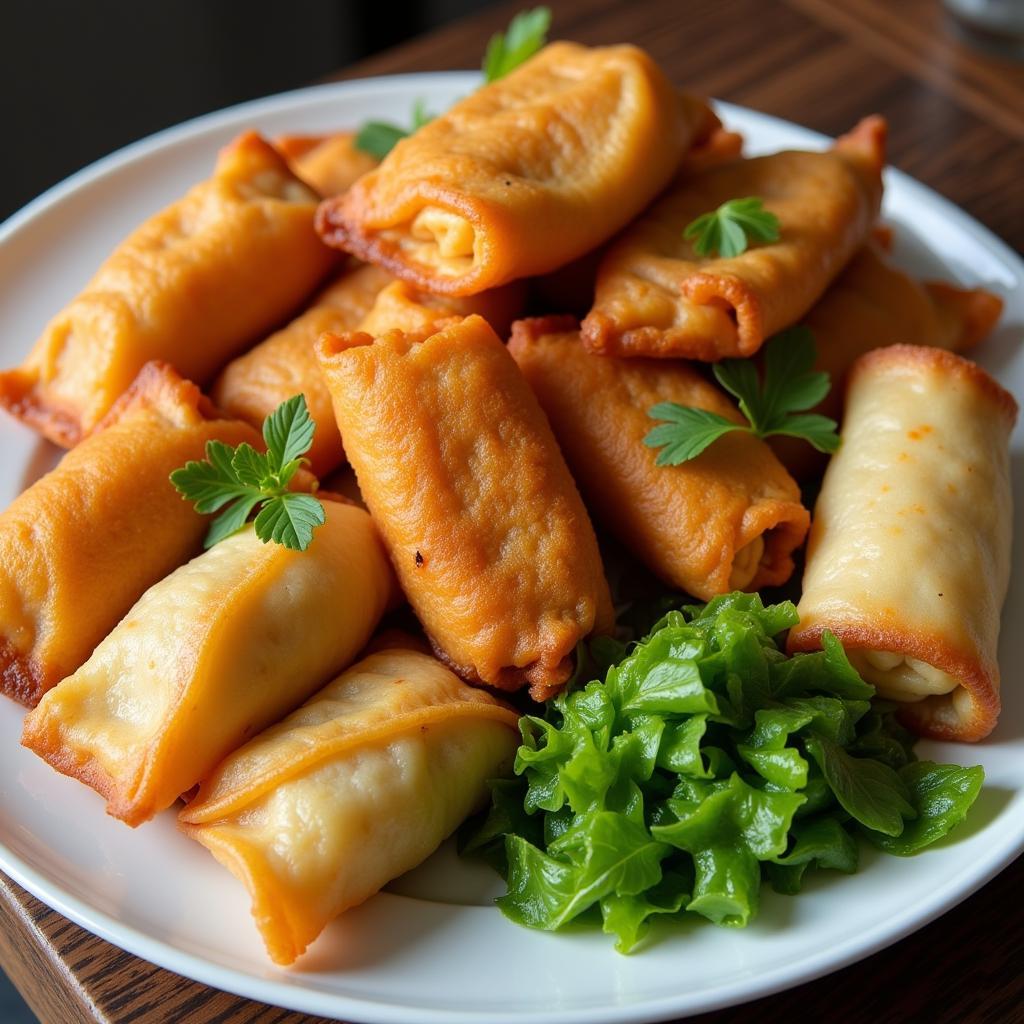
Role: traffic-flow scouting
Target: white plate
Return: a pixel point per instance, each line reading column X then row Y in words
column 433, row 950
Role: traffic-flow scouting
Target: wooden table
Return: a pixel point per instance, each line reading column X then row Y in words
column 957, row 120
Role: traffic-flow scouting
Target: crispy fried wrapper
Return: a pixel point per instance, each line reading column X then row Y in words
column 402, row 307
column 909, row 557
column 252, row 386
column 459, row 468
column 359, row 785
column 80, row 546
column 524, row 175
column 192, row 286
column 656, row 297
column 729, row 519
column 330, row 163
column 871, row 305
column 208, row 657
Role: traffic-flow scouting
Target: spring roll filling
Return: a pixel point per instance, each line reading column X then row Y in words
column 442, row 240
column 900, row 677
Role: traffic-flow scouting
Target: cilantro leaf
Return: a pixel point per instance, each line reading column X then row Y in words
column 525, row 35
column 771, row 406
column 699, row 429
column 290, row 519
column 249, row 478
column 378, row 138
column 729, row 229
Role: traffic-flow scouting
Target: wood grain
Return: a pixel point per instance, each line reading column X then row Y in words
column 957, row 120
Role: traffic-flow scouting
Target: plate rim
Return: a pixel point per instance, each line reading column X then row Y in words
column 290, row 991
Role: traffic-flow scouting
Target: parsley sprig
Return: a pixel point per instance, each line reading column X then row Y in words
column 242, row 478
column 525, row 35
column 772, row 406
column 378, row 138
column 728, row 229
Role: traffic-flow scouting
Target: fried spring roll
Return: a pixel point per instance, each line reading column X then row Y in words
column 872, row 305
column 729, row 519
column 657, row 297
column 330, row 163
column 80, row 546
column 252, row 386
column 524, row 175
column 359, row 785
column 485, row 527
column 908, row 561
column 208, row 657
column 192, row 286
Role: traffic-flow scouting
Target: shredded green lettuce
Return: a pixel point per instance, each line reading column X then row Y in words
column 703, row 762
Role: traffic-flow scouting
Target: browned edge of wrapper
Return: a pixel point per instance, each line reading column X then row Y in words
column 934, row 716
column 45, row 739
column 23, row 678
column 337, row 229
column 21, row 396
column 949, row 362
column 269, row 914
column 543, row 677
column 976, row 310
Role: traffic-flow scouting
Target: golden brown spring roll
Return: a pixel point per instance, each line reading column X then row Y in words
column 208, row 657
column 330, row 163
column 729, row 519
column 192, row 286
column 524, row 175
column 359, row 785
column 909, row 556
column 656, row 297
column 458, row 466
column 252, row 386
column 80, row 546
column 871, row 305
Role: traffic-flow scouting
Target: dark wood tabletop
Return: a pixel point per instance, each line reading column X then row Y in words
column 957, row 123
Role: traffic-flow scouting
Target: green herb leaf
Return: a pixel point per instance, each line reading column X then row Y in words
column 941, row 795
column 378, row 138
column 250, row 478
column 686, row 434
column 729, row 229
column 290, row 519
column 771, row 406
column 868, row 790
column 525, row 35
column 818, row 842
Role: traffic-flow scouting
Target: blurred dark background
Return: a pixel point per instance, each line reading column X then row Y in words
column 80, row 78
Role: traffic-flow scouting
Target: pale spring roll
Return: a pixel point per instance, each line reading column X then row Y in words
column 353, row 789
column 908, row 561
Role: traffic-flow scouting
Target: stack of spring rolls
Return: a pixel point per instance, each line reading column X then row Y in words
column 429, row 310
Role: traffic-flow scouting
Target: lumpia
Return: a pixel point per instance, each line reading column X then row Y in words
column 524, row 175
column 657, row 297
column 908, row 561
column 351, row 790
column 330, row 163
column 729, row 519
column 486, row 530
column 192, row 286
